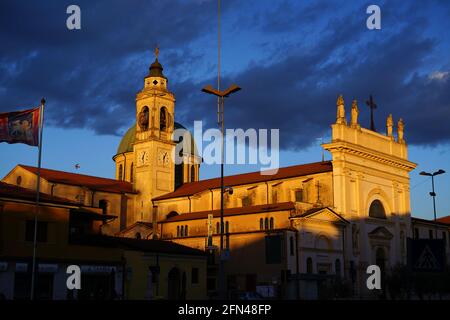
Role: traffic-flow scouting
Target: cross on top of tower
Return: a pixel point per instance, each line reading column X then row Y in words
column 156, row 51
column 372, row 106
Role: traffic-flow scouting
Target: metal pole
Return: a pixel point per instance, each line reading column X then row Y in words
column 434, row 195
column 220, row 111
column 222, row 225
column 434, row 201
column 38, row 188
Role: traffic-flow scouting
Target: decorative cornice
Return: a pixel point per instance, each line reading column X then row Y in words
column 363, row 152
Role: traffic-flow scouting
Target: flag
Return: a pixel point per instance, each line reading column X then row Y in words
column 20, row 127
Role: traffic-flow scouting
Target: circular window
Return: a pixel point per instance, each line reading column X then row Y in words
column 19, row 180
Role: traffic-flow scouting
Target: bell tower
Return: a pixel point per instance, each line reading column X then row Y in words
column 153, row 147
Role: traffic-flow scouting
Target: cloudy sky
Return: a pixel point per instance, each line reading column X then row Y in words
column 292, row 59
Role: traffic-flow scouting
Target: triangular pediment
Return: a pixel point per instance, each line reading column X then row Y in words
column 322, row 214
column 381, row 233
column 145, row 230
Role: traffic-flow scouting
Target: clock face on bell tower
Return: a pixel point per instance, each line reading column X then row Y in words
column 143, row 158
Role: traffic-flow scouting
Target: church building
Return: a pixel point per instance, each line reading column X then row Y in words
column 291, row 233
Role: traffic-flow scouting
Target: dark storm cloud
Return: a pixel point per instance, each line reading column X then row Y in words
column 90, row 77
column 298, row 93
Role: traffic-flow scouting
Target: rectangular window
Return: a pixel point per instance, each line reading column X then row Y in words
column 430, row 233
column 416, row 233
column 42, row 227
column 273, row 249
column 299, row 195
column 194, row 276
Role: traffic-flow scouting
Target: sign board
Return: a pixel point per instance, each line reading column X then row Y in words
column 97, row 269
column 426, row 255
column 47, row 268
column 21, row 267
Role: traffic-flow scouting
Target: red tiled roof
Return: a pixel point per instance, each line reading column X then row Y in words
column 445, row 220
column 75, row 179
column 15, row 192
column 233, row 211
column 159, row 246
column 440, row 221
column 191, row 188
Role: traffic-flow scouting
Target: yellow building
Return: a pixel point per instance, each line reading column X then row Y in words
column 68, row 234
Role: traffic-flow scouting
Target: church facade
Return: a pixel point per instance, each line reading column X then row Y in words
column 290, row 233
column 285, row 231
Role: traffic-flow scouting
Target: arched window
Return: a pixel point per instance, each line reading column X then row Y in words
column 144, row 118
column 131, row 172
column 271, row 224
column 266, row 223
column 337, row 267
column 138, row 235
column 178, row 175
column 178, row 231
column 182, row 231
column 192, row 173
column 291, row 245
column 309, row 266
column 261, row 224
column 171, row 214
column 376, row 210
column 120, row 172
column 186, row 231
column 163, row 119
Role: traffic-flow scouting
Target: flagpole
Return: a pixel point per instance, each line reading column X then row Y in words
column 38, row 190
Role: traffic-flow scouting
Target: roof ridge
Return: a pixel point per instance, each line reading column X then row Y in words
column 43, row 194
column 254, row 172
column 67, row 172
column 298, row 170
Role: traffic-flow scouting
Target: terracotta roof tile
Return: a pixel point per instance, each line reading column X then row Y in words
column 232, row 211
column 441, row 221
column 445, row 220
column 75, row 179
column 15, row 192
column 191, row 188
column 159, row 246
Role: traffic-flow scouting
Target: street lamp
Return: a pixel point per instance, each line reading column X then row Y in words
column 432, row 193
column 220, row 114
